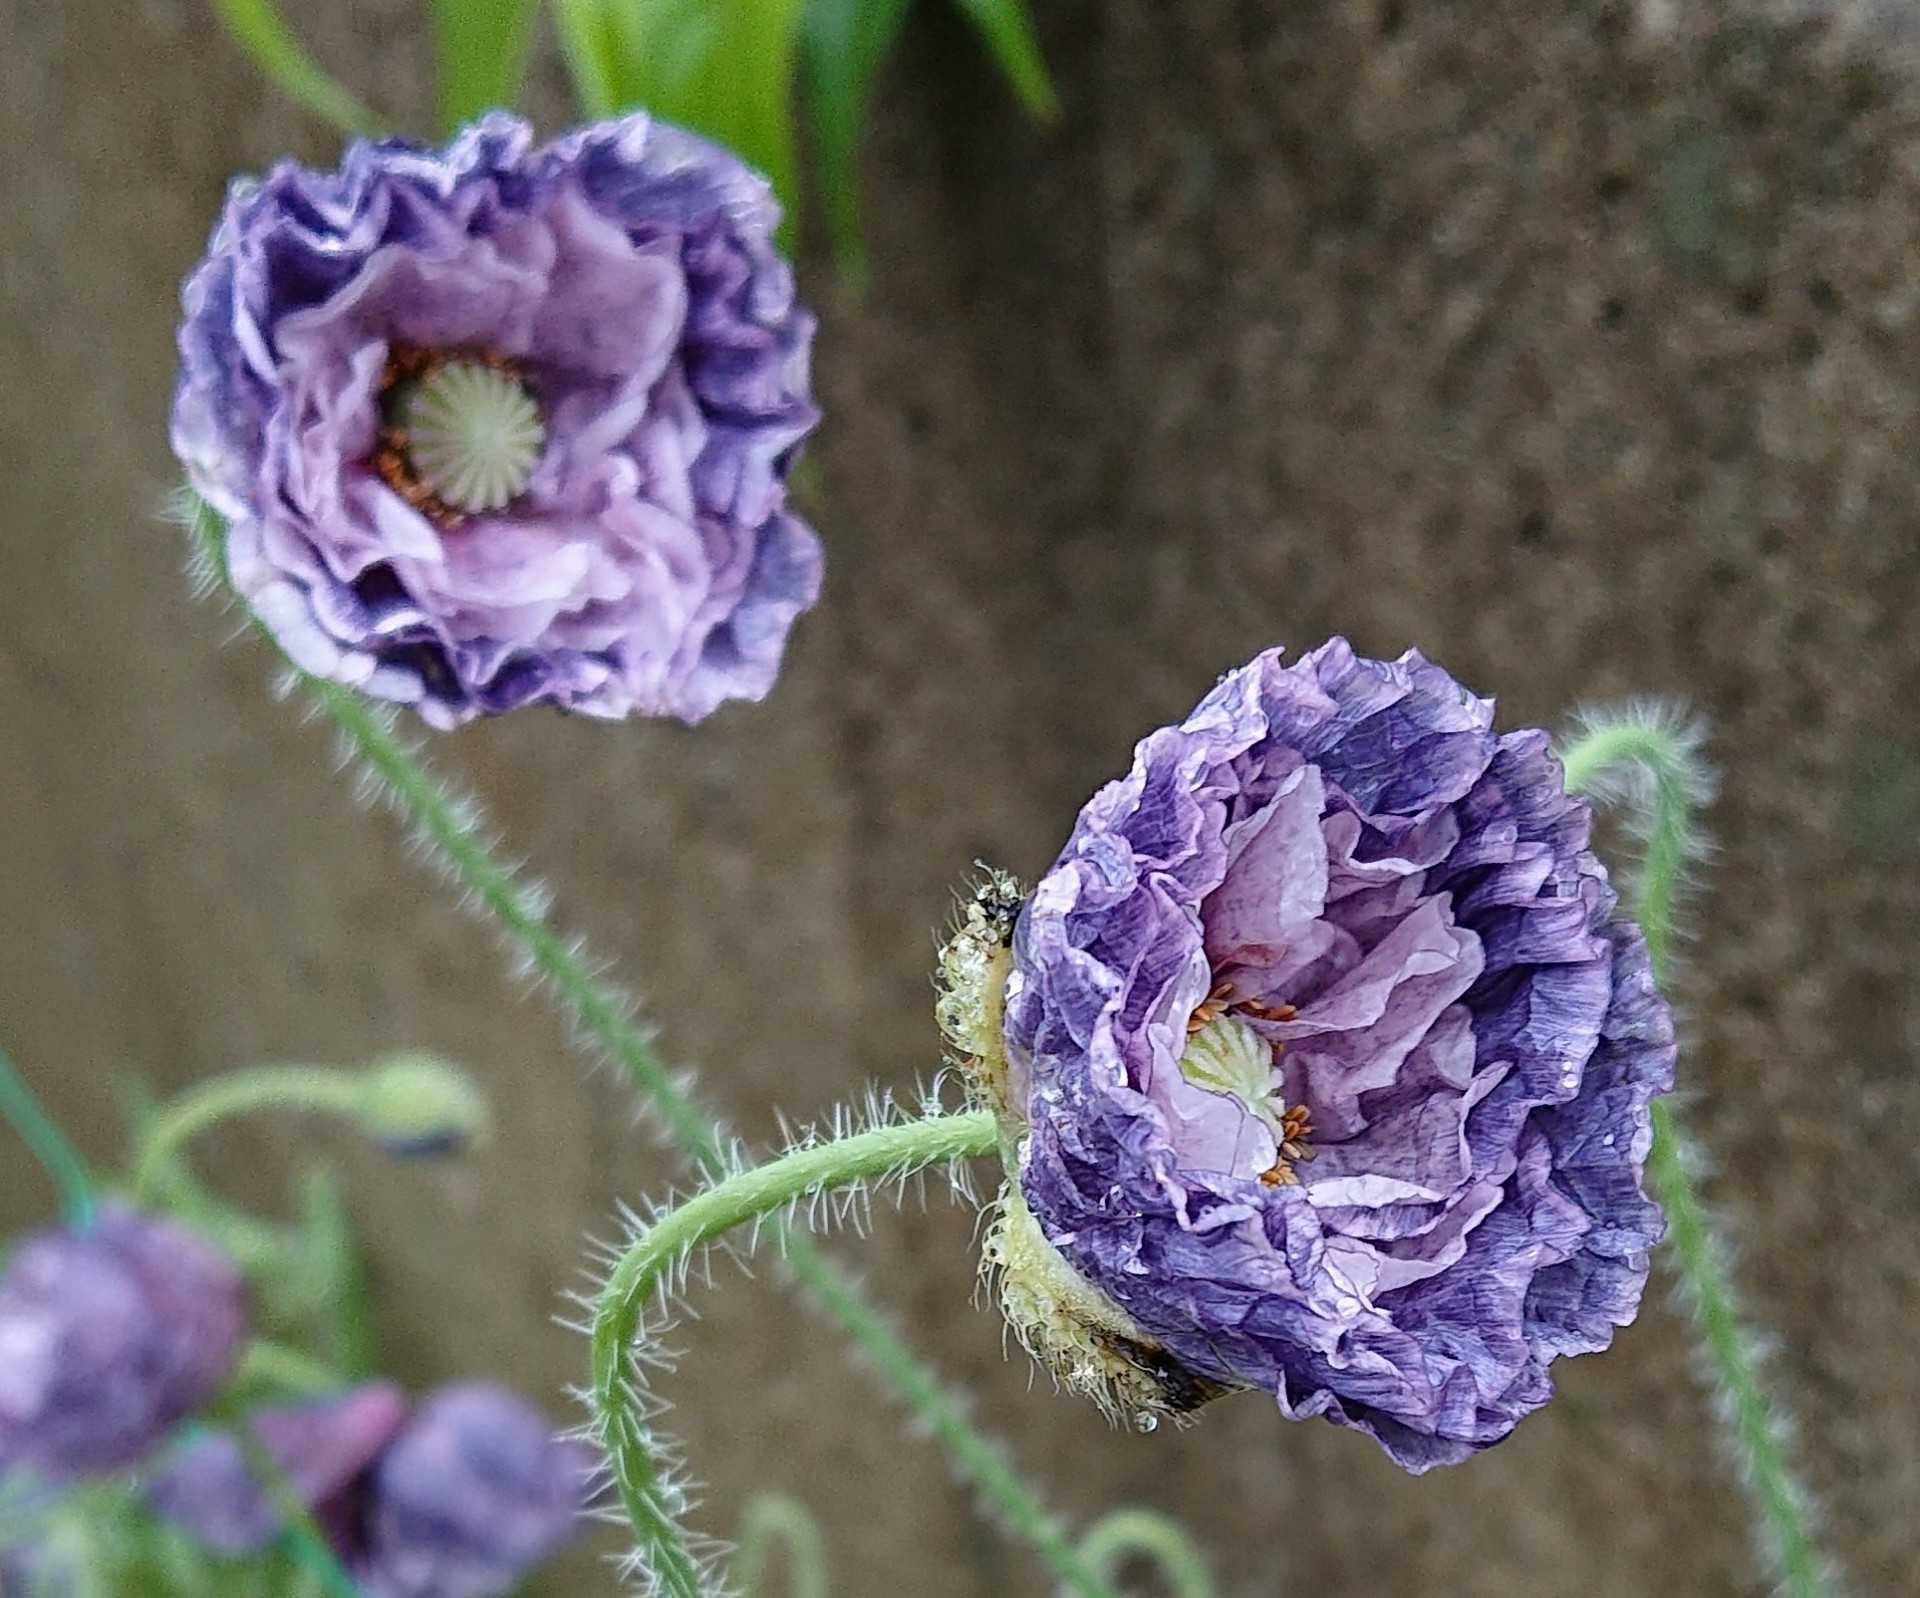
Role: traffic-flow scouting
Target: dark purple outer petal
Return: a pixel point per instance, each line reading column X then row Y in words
column 651, row 566
column 471, row 1496
column 108, row 1339
column 1476, row 1038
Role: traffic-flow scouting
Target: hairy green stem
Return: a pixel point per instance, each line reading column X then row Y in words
column 773, row 1518
column 23, row 1110
column 1147, row 1535
column 458, row 839
column 716, row 1210
column 1664, row 783
column 326, row 1089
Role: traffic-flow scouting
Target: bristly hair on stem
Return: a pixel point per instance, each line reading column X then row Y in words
column 452, row 833
column 652, row 1270
column 1647, row 756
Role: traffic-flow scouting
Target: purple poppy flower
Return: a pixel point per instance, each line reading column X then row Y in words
column 498, row 425
column 108, row 1338
column 1335, row 1062
column 322, row 1449
column 472, row 1495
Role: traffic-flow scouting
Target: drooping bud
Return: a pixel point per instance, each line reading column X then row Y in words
column 417, row 1104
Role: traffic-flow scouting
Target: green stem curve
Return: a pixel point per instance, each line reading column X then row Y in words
column 774, row 1518
column 1152, row 1536
column 329, row 1090
column 456, row 836
column 711, row 1213
column 1662, row 757
column 20, row 1106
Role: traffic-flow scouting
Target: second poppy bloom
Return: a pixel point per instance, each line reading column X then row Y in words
column 499, row 425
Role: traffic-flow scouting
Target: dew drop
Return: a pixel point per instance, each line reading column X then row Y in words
column 1146, row 1421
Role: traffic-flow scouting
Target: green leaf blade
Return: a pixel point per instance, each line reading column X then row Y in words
column 259, row 29
column 844, row 43
column 1007, row 28
column 724, row 68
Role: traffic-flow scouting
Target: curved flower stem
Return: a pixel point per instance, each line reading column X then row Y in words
column 1153, row 1536
column 758, row 1191
column 456, row 837
column 23, row 1110
column 1665, row 782
column 327, row 1089
column 771, row 1518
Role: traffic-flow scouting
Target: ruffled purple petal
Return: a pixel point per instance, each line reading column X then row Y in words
column 627, row 272
column 1403, row 906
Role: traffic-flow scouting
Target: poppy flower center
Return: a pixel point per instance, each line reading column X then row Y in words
column 461, row 434
column 1225, row 1054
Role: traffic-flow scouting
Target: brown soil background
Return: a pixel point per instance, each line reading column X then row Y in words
column 1576, row 342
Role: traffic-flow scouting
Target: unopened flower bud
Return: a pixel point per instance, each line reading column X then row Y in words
column 416, row 1104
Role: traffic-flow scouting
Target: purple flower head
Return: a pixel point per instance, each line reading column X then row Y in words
column 1336, row 1064
column 498, row 425
column 108, row 1338
column 323, row 1450
column 471, row 1496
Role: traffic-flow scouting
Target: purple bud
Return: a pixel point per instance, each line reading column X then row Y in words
column 471, row 1496
column 109, row 1338
column 322, row 1449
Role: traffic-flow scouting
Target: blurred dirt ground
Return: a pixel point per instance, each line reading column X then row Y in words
column 1577, row 342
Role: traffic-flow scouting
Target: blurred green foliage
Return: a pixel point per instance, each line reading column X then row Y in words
column 735, row 70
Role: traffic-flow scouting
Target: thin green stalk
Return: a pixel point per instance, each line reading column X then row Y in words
column 1148, row 1535
column 306, row 1543
column 326, row 1089
column 716, row 1210
column 772, row 1518
column 271, row 1364
column 24, row 1112
column 263, row 33
column 1662, row 778
column 458, row 839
